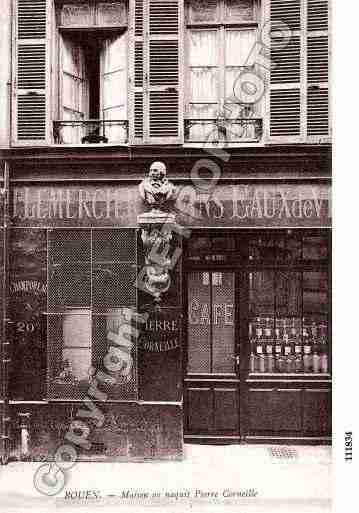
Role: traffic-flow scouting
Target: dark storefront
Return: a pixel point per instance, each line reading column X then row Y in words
column 240, row 350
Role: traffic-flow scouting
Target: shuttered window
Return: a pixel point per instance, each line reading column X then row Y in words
column 30, row 72
column 298, row 96
column 156, row 71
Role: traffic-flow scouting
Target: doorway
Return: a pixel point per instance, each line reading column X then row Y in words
column 214, row 367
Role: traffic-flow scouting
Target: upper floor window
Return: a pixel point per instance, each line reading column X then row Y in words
column 221, row 37
column 92, row 74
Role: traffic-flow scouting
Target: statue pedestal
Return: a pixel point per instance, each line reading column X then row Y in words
column 156, row 218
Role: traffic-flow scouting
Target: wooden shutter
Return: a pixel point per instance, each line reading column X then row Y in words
column 114, row 87
column 285, row 75
column 30, row 72
column 298, row 98
column 156, row 80
column 137, row 14
column 164, row 71
column 317, row 70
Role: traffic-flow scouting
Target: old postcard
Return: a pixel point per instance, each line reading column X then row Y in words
column 166, row 279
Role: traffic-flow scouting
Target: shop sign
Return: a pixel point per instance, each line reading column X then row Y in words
column 242, row 205
column 161, row 331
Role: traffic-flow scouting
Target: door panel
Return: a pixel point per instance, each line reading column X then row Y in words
column 274, row 410
column 317, row 411
column 226, row 409
column 199, row 412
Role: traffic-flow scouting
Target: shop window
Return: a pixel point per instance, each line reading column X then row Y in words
column 91, row 294
column 92, row 74
column 288, row 327
column 221, row 40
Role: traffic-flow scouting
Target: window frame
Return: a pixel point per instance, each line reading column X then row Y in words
column 220, row 26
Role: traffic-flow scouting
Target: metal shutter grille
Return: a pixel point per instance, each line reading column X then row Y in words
column 317, row 112
column 138, row 121
column 286, row 61
column 138, row 64
column 31, row 64
column 287, row 11
column 285, row 112
column 317, row 15
column 163, row 17
column 164, row 63
column 31, row 21
column 31, row 117
column 317, row 59
column 139, row 18
column 163, row 113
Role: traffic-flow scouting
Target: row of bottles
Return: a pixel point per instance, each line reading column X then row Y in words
column 288, row 348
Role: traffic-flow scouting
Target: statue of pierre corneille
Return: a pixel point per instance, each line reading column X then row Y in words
column 156, row 190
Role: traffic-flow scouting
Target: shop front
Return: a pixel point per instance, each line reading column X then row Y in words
column 258, row 331
column 232, row 344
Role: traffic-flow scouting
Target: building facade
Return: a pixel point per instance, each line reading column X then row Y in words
column 233, row 342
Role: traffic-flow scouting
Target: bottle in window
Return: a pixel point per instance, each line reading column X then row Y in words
column 270, row 359
column 316, row 361
column 252, row 358
column 262, row 363
column 260, row 348
column 324, row 366
column 288, row 354
column 269, row 347
column 278, row 350
column 307, row 349
column 315, row 347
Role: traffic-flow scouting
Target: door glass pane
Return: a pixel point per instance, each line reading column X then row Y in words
column 315, row 248
column 315, row 292
column 261, row 292
column 199, row 329
column 223, row 321
column 288, row 293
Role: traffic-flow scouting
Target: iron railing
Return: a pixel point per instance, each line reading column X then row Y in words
column 215, row 130
column 90, row 131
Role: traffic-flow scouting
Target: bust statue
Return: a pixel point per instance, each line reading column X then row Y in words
column 156, row 190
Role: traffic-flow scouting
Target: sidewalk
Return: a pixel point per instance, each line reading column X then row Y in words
column 240, row 478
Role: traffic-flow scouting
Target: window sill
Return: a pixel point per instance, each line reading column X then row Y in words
column 223, row 146
column 90, row 145
column 255, row 377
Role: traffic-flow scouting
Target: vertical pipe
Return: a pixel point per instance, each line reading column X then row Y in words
column 5, row 352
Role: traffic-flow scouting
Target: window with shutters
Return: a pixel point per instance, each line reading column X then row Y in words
column 221, row 39
column 157, row 82
column 298, row 97
column 92, row 69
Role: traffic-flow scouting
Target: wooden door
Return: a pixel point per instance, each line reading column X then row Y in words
column 212, row 374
